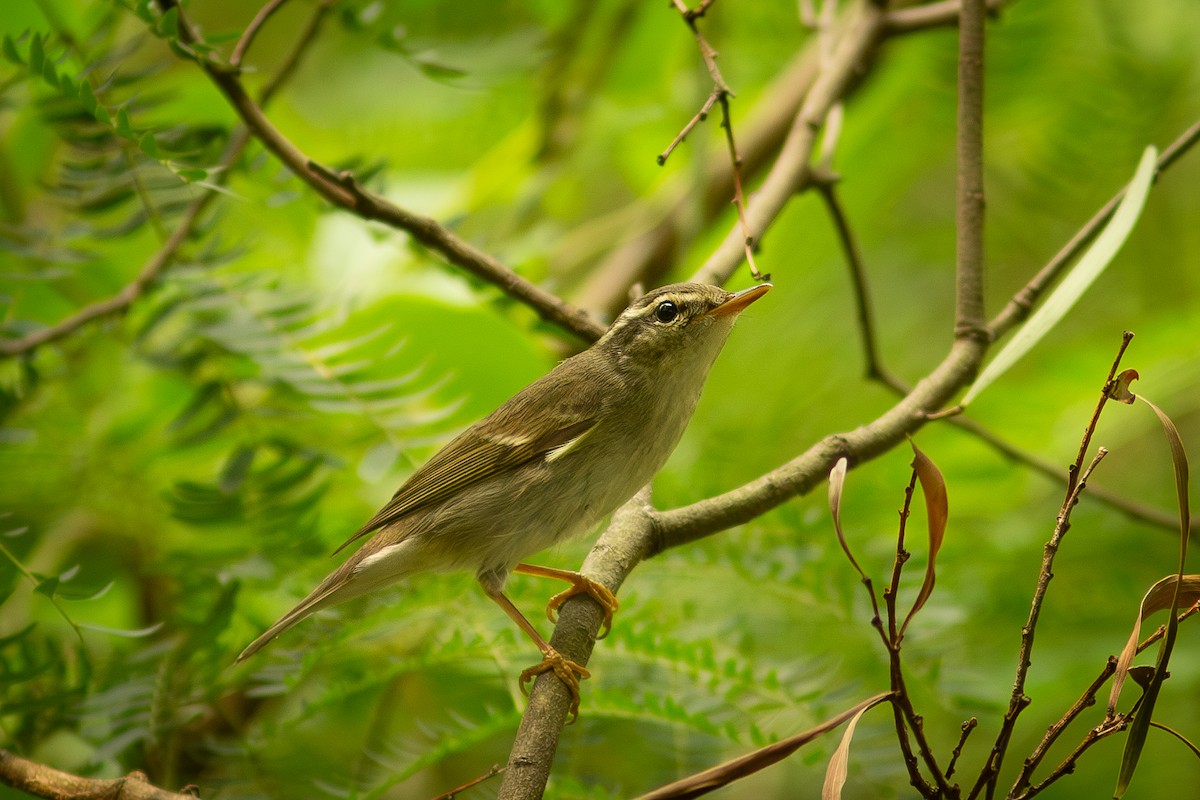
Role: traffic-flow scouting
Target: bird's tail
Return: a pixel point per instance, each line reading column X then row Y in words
column 334, row 589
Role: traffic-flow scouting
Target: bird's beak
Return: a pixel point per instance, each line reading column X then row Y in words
column 739, row 300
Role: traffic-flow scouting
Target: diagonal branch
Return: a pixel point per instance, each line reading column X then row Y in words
column 343, row 190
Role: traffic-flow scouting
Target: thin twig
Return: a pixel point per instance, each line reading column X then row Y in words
column 1075, row 486
column 1086, row 700
column 933, row 15
column 874, row 368
column 969, row 257
column 342, row 189
column 967, row 728
column 790, row 173
column 247, row 37
column 902, row 708
column 720, row 94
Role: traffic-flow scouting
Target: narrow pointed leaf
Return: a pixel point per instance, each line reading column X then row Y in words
column 10, row 50
column 1139, row 729
column 837, row 481
column 715, row 777
column 839, row 762
column 1077, row 281
column 937, row 513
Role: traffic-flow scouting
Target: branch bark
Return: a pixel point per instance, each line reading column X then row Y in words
column 42, row 781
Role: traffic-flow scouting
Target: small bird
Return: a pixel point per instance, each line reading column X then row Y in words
column 550, row 463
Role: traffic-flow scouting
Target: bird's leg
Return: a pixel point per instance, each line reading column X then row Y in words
column 580, row 584
column 567, row 671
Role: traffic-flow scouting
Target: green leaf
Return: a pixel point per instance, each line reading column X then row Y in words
column 10, row 50
column 87, row 96
column 37, row 53
column 124, row 126
column 149, row 146
column 168, row 24
column 1090, row 265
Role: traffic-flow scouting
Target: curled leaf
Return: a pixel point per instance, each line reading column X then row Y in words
column 1160, row 596
column 1119, row 389
column 837, row 481
column 839, row 762
column 937, row 512
column 715, row 777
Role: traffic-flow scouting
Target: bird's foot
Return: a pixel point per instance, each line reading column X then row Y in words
column 567, row 671
column 581, row 584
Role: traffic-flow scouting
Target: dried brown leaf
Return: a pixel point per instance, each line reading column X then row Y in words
column 937, row 513
column 839, row 762
column 837, row 482
column 715, row 777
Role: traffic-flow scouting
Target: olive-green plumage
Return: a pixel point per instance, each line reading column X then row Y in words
column 552, row 461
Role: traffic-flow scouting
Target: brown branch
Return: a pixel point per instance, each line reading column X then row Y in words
column 790, row 172
column 343, row 190
column 651, row 253
column 969, row 260
column 1021, row 789
column 720, row 94
column 1023, row 302
column 931, row 15
column 873, row 364
column 256, row 24
column 42, row 781
column 1075, row 486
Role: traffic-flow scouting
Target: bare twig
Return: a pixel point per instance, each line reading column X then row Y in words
column 1077, row 483
column 719, row 96
column 487, row 776
column 342, row 189
column 969, row 261
column 967, row 728
column 790, row 172
column 247, row 37
column 931, row 15
column 902, row 708
column 875, row 370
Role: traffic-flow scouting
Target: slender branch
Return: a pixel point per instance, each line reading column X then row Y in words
column 1021, row 789
column 902, row 707
column 969, row 261
column 1075, row 486
column 967, row 728
column 342, row 189
column 1086, row 700
column 256, row 24
column 42, row 781
column 1023, row 302
column 932, row 15
column 720, row 95
column 790, row 172
column 875, row 370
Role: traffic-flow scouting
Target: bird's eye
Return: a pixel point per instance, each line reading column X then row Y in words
column 666, row 311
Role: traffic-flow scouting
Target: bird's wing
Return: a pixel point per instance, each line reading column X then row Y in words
column 488, row 448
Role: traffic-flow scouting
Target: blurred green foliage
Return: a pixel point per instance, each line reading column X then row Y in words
column 173, row 478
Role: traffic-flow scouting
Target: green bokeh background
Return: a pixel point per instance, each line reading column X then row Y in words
column 747, row 636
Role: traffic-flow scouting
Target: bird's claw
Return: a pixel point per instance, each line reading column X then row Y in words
column 581, row 584
column 567, row 671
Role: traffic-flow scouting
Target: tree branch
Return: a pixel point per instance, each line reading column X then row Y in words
column 969, row 261
column 790, row 172
column 42, row 781
column 343, row 190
